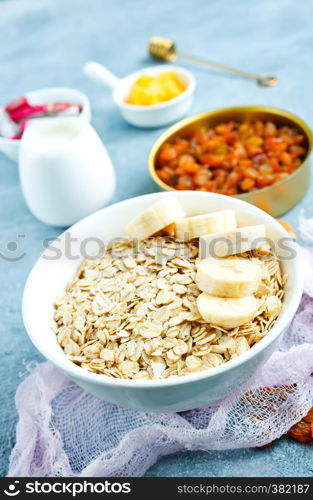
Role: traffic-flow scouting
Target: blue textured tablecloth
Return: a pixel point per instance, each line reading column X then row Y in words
column 44, row 43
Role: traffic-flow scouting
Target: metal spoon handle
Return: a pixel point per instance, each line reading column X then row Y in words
column 265, row 81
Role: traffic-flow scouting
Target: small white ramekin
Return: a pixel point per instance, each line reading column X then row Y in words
column 57, row 266
column 156, row 115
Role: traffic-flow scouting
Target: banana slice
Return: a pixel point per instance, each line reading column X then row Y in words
column 231, row 242
column 153, row 219
column 193, row 227
column 230, row 277
column 227, row 312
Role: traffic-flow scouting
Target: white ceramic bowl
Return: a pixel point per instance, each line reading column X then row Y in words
column 156, row 115
column 62, row 94
column 50, row 277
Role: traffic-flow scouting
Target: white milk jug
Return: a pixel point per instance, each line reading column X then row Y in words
column 65, row 170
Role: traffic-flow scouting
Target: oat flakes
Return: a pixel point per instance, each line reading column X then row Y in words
column 132, row 313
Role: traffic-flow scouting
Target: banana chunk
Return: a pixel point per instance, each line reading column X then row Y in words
column 226, row 243
column 193, row 227
column 230, row 277
column 227, row 312
column 163, row 213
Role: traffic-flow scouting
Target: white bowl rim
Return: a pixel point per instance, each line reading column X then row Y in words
column 167, row 104
column 100, row 379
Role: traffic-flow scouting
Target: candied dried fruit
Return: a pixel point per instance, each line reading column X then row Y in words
column 232, row 157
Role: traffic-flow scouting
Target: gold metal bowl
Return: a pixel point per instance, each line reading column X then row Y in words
column 275, row 199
